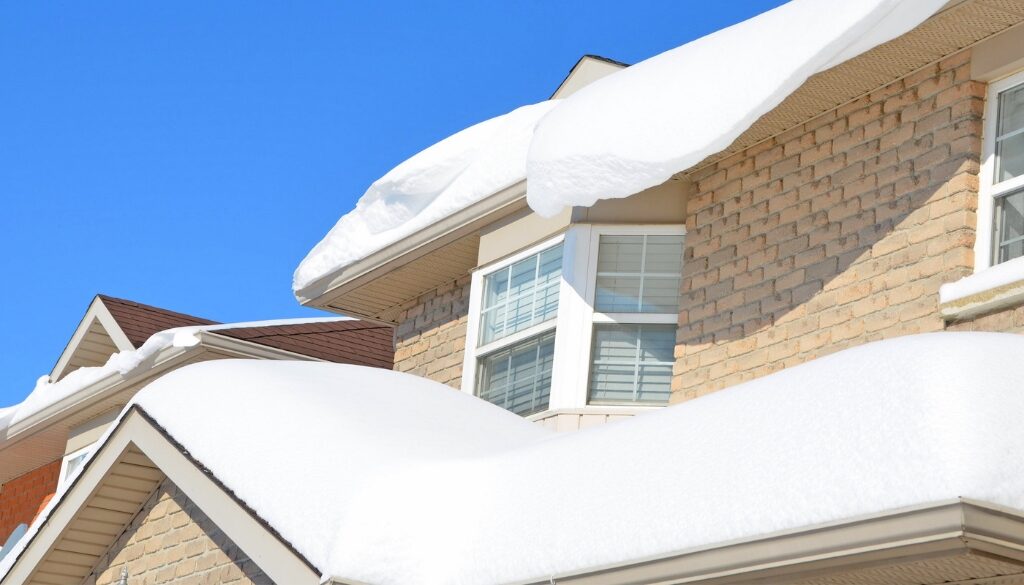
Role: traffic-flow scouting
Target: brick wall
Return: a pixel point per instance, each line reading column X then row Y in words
column 431, row 336
column 23, row 497
column 172, row 541
column 832, row 234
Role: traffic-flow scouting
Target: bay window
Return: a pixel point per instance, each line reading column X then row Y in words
column 586, row 319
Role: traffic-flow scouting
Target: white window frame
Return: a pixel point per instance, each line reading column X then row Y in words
column 576, row 315
column 472, row 353
column 62, row 479
column 989, row 190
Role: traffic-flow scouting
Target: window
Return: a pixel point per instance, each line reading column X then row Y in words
column 515, row 341
column 636, row 307
column 1001, row 206
column 612, row 295
column 71, row 463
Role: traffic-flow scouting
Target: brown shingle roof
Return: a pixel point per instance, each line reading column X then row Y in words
column 140, row 321
column 344, row 342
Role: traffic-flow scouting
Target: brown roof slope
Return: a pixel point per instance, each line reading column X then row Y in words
column 345, row 342
column 140, row 321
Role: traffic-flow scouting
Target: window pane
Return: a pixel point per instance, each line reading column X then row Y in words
column 519, row 378
column 1011, row 110
column 521, row 295
column 632, row 363
column 1010, row 226
column 638, row 274
column 1009, row 157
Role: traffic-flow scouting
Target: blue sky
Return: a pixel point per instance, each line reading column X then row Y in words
column 188, row 154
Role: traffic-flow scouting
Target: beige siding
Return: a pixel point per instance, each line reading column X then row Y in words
column 171, row 541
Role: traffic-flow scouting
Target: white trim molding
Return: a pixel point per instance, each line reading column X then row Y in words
column 574, row 322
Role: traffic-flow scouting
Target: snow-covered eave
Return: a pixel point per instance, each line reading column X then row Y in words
column 117, row 385
column 949, row 529
column 324, row 292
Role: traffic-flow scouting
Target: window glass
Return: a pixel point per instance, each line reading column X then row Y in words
column 74, row 463
column 1010, row 226
column 631, row 364
column 518, row 378
column 638, row 274
column 521, row 295
column 1010, row 135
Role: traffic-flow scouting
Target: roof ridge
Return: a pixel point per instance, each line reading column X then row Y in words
column 105, row 298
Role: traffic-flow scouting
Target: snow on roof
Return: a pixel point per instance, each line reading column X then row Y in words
column 626, row 132
column 446, row 177
column 385, row 478
column 48, row 392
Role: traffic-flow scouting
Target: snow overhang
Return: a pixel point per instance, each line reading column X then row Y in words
column 373, row 286
column 41, row 437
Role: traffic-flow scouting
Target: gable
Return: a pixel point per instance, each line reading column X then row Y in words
column 171, row 537
column 80, row 536
column 97, row 337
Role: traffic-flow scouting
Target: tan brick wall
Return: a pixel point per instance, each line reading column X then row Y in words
column 832, row 234
column 431, row 335
column 172, row 541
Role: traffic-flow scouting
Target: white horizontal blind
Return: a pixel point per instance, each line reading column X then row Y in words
column 632, row 364
column 638, row 274
column 521, row 295
column 518, row 378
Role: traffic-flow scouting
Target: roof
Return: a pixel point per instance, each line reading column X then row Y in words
column 588, row 69
column 139, row 321
column 910, row 428
column 345, row 342
column 825, row 80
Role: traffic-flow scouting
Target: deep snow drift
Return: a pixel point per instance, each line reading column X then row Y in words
column 450, row 175
column 631, row 130
column 407, row 481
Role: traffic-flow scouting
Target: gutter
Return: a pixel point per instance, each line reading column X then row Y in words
column 953, row 527
column 460, row 223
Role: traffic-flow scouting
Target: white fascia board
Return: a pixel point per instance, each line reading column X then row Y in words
column 256, row 539
column 97, row 391
column 248, row 349
column 458, row 224
column 936, row 529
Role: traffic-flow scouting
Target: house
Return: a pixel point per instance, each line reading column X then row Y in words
column 833, row 220
column 385, row 478
column 45, row 439
column 769, row 276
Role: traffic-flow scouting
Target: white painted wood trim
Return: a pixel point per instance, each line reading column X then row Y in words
column 988, row 189
column 472, row 352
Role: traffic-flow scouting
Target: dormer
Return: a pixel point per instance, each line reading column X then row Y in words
column 111, row 325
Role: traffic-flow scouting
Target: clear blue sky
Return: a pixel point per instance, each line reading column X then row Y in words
column 188, row 154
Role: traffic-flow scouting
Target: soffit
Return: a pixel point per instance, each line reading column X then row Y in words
column 953, row 29
column 120, row 495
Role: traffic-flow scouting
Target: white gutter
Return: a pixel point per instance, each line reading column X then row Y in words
column 456, row 225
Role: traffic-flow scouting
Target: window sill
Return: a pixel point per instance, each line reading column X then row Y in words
column 994, row 288
column 628, row 410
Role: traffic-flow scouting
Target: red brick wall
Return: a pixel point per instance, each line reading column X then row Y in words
column 23, row 497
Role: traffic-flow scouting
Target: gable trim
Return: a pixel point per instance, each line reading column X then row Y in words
column 138, row 436
column 97, row 312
